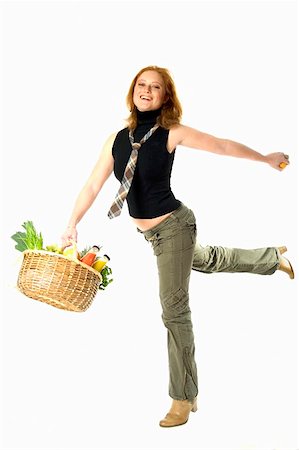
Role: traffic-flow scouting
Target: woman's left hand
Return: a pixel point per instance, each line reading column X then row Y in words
column 278, row 160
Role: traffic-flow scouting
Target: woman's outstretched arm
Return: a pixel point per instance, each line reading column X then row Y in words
column 190, row 137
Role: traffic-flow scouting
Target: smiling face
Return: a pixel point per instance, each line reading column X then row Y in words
column 149, row 91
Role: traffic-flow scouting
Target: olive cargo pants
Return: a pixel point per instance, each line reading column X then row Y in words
column 174, row 244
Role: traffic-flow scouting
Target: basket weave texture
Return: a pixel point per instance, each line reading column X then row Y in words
column 57, row 280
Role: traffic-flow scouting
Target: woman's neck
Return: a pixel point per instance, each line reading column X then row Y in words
column 148, row 117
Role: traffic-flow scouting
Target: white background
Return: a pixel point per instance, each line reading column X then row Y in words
column 99, row 380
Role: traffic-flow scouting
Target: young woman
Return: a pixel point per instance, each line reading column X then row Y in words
column 166, row 222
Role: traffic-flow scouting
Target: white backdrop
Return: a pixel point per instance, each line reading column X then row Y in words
column 98, row 380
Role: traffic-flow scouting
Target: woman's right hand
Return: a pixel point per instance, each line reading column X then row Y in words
column 69, row 236
column 276, row 159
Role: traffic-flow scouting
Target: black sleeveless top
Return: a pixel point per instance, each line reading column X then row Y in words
column 150, row 194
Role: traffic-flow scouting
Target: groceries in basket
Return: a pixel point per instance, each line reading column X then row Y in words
column 68, row 279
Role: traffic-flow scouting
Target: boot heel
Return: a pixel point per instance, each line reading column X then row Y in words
column 194, row 407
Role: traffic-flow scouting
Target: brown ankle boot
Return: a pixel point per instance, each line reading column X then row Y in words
column 178, row 413
column 286, row 267
column 285, row 264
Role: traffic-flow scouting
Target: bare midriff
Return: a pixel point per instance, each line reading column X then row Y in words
column 147, row 224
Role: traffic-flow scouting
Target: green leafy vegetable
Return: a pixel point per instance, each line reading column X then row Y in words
column 29, row 239
column 106, row 277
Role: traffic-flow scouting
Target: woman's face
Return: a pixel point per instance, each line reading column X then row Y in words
column 149, row 91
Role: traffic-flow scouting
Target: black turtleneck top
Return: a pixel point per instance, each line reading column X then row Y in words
column 150, row 194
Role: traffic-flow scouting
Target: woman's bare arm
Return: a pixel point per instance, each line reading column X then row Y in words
column 88, row 194
column 190, row 137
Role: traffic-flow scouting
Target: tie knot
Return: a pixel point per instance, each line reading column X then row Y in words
column 136, row 145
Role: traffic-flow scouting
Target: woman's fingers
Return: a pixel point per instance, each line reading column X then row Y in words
column 69, row 237
column 278, row 161
column 283, row 164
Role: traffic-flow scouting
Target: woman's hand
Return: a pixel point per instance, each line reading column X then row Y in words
column 69, row 236
column 275, row 159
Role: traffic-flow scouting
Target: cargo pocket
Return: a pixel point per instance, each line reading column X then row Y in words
column 178, row 301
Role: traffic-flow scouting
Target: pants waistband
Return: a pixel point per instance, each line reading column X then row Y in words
column 175, row 216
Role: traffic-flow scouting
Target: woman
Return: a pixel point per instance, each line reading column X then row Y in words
column 166, row 222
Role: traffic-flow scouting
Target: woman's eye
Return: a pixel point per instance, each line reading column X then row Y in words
column 140, row 84
column 156, row 87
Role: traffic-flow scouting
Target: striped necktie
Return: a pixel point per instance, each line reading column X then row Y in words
column 126, row 182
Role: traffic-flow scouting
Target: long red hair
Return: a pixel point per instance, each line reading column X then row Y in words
column 171, row 110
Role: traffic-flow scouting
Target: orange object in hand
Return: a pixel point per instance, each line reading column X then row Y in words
column 283, row 165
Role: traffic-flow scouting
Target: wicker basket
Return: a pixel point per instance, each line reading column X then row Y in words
column 58, row 280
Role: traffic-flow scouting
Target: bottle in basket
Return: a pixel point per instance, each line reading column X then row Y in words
column 100, row 263
column 90, row 255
